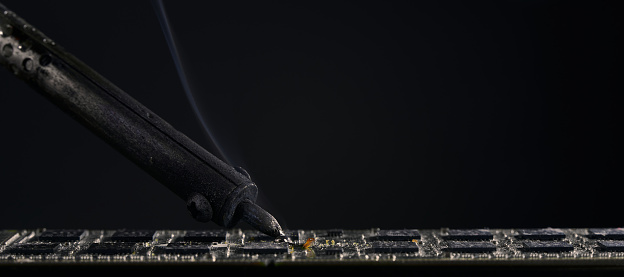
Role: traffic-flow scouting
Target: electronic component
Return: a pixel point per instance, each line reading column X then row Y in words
column 540, row 234
column 334, row 250
column 205, row 236
column 398, row 235
column 265, row 248
column 470, row 247
column 183, row 249
column 133, row 235
column 111, row 248
column 259, row 238
column 611, row 246
column 63, row 235
column 546, row 246
column 394, row 247
column 335, row 232
column 7, row 236
column 606, row 233
column 468, row 234
column 33, row 248
column 293, row 236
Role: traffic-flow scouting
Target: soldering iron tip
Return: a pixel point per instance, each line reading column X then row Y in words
column 260, row 219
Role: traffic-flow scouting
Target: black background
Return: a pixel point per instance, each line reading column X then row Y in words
column 347, row 114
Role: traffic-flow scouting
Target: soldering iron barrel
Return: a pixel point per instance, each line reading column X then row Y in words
column 165, row 153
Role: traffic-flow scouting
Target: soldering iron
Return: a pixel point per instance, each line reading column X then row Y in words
column 213, row 190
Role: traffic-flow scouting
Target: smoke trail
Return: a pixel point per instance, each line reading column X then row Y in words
column 164, row 24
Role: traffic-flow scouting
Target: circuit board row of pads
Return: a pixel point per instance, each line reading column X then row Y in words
column 337, row 246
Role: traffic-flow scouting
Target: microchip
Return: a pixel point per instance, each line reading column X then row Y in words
column 541, row 234
column 62, row 235
column 258, row 237
column 606, row 233
column 546, row 246
column 111, row 248
column 394, row 247
column 611, row 246
column 468, row 234
column 7, row 236
column 133, row 235
column 293, row 235
column 32, row 248
column 470, row 247
column 398, row 235
column 265, row 248
column 334, row 251
column 183, row 249
column 335, row 233
column 204, row 236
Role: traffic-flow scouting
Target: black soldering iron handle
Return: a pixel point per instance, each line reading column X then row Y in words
column 213, row 189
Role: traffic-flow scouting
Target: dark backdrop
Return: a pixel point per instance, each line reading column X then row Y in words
column 346, row 114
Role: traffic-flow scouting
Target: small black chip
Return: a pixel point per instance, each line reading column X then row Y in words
column 292, row 235
column 470, row 247
column 31, row 248
column 265, row 248
column 394, row 247
column 62, row 235
column 109, row 248
column 205, row 236
column 546, row 246
column 334, row 251
column 541, row 234
column 611, row 246
column 133, row 235
column 606, row 233
column 398, row 235
column 183, row 249
column 335, row 233
column 468, row 234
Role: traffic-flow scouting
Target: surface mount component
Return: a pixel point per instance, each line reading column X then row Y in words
column 33, row 248
column 394, row 247
column 611, row 246
column 204, row 236
column 62, row 235
column 334, row 250
column 606, row 233
column 111, row 248
column 133, row 235
column 397, row 235
column 183, row 249
column 546, row 246
column 470, row 247
column 292, row 235
column 7, row 237
column 265, row 248
column 468, row 234
column 541, row 234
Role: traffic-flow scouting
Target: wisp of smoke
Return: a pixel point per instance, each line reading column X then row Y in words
column 166, row 28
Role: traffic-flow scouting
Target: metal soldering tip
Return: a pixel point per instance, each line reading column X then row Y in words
column 260, row 219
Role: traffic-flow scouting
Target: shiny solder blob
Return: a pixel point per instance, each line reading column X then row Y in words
column 308, row 243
